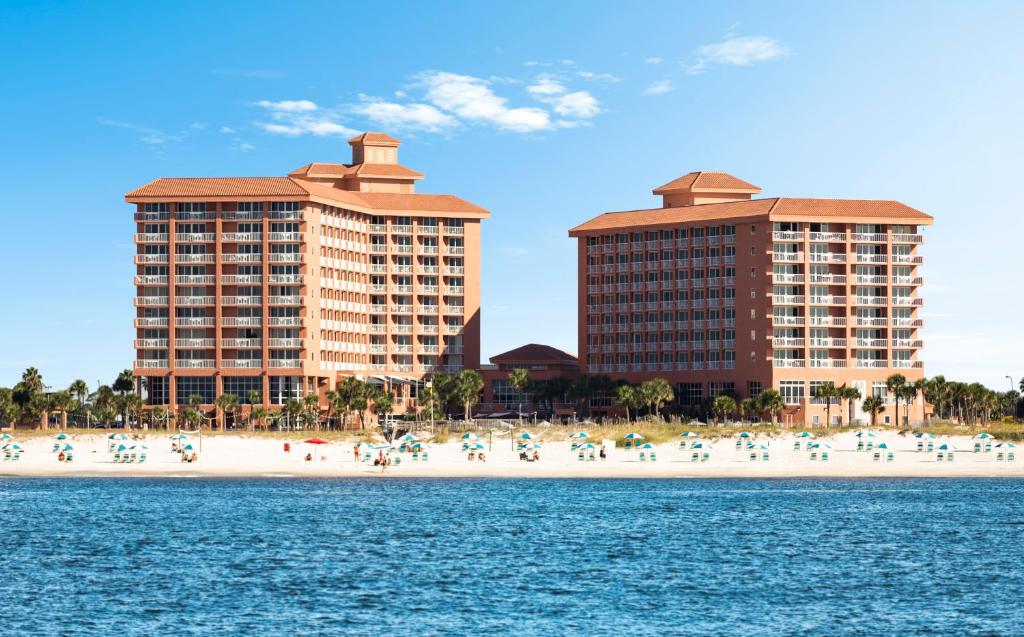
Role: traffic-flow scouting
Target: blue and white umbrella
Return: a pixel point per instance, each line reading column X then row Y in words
column 526, row 435
column 925, row 435
column 634, row 436
column 806, row 434
column 470, row 436
column 408, row 438
column 701, row 445
column 983, row 436
column 61, row 436
column 11, row 446
column 746, row 434
column 689, row 434
column 580, row 435
column 862, row 434
column 1006, row 445
column 117, row 437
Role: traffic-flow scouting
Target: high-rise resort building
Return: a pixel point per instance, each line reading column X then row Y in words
column 284, row 285
column 719, row 292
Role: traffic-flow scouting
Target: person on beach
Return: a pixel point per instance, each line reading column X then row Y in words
column 481, row 457
column 355, row 451
column 604, row 454
column 309, row 457
column 60, row 458
column 536, row 456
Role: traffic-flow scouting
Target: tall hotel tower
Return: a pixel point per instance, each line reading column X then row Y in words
column 719, row 292
column 284, row 285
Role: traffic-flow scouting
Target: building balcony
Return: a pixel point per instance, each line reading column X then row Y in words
column 827, row 362
column 399, row 268
column 914, row 301
column 151, row 237
column 787, row 342
column 151, row 343
column 861, row 237
column 831, row 237
column 286, row 363
column 907, row 322
column 256, row 257
column 402, row 367
column 457, row 250
column 788, row 299
column 152, row 363
column 828, row 257
column 378, row 348
column 241, row 343
column 902, row 343
column 195, row 321
column 291, row 343
column 426, row 309
column 194, row 364
column 378, row 309
column 870, row 301
column 194, row 258
column 401, row 309
column 286, row 257
column 870, row 343
column 378, row 328
column 295, row 279
column 378, row 288
column 454, row 230
column 870, row 258
column 427, row 269
column 152, row 216
column 241, row 300
column 827, row 321
column 242, row 215
column 242, row 321
column 912, row 259
column 290, row 237
column 429, row 289
column 455, row 309
column 152, row 322
column 401, row 229
column 787, row 278
column 788, row 320
column 241, row 237
column 907, row 364
column 285, row 321
column 241, row 279
column 788, row 362
column 402, row 248
column 831, row 279
column 194, row 237
column 286, row 215
column 151, row 279
column 151, row 301
column 401, row 348
column 426, row 229
column 194, row 343
column 787, row 257
column 827, row 343
column 454, row 269
column 861, row 279
column 452, row 330
column 907, row 280
column 242, row 363
column 907, row 238
column 428, row 349
column 402, row 328
column 828, row 300
column 287, row 300
column 142, row 259
column 193, row 300
column 870, row 363
column 787, row 235
column 427, row 250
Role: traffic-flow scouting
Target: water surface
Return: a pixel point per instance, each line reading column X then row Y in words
column 511, row 557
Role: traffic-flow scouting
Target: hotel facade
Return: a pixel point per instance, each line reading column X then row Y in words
column 284, row 285
column 717, row 291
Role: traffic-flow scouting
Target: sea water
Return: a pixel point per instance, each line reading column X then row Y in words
column 511, row 557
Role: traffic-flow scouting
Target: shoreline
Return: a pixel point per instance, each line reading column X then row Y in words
column 243, row 457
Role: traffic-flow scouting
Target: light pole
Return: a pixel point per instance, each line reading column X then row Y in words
column 1012, row 386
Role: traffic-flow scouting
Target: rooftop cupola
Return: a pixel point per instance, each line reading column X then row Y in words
column 374, row 148
column 704, row 187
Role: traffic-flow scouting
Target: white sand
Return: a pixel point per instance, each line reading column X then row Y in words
column 264, row 457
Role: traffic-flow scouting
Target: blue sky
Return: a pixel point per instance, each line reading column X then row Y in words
column 546, row 114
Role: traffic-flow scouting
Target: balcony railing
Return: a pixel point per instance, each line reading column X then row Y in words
column 242, row 363
column 152, row 363
column 285, row 363
column 870, row 364
column 241, row 343
column 907, row 238
column 828, row 257
column 870, row 343
column 241, row 279
column 151, row 237
column 870, row 321
column 151, row 258
column 150, row 301
column 827, row 362
column 193, row 300
column 907, row 300
column 787, row 320
column 907, row 364
column 194, row 343
column 193, row 258
column 788, row 362
column 454, row 230
column 286, row 342
column 832, row 237
column 287, row 300
column 194, row 237
column 151, row 343
column 241, row 300
column 152, row 322
column 242, row 321
column 195, row 321
column 193, row 364
column 788, row 256
column 285, row 321
column 902, row 343
column 286, row 257
column 286, row 236
column 788, row 299
column 241, row 237
column 787, row 235
column 151, row 279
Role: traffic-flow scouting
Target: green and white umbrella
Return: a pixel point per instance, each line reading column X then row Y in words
column 6, row 437
column 1006, row 445
column 61, row 436
column 586, row 445
column 408, row 438
column 946, row 447
column 806, row 434
column 925, row 435
column 67, row 447
column 701, row 445
column 647, row 445
column 580, row 435
column 983, row 436
column 179, row 437
column 470, row 436
column 882, row 446
column 12, row 446
column 862, row 434
column 633, row 436
column 526, row 435
column 689, row 434
column 746, row 434
column 117, row 437
column 475, row 447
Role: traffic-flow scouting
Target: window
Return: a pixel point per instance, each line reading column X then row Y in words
column 284, row 387
column 754, row 388
column 202, row 386
column 240, row 386
column 792, row 391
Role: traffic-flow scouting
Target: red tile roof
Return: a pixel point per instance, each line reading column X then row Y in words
column 425, row 203
column 322, row 170
column 707, row 181
column 758, row 209
column 218, row 187
column 386, row 170
column 534, row 353
column 374, row 138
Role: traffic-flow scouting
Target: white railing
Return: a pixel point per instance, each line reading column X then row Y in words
column 285, row 321
column 788, row 256
column 787, row 236
column 787, row 278
column 151, row 258
column 401, row 229
column 871, row 343
column 285, row 363
column 863, row 279
column 907, row 364
column 241, row 300
column 151, row 279
column 194, row 258
column 858, row 237
column 194, row 343
column 907, row 238
column 243, row 279
column 242, row 258
column 401, row 309
column 286, row 278
column 144, row 301
column 788, row 299
column 193, row 300
column 195, row 321
column 193, row 364
column 788, row 362
column 453, row 229
column 151, row 237
column 242, row 363
column 787, row 320
column 242, row 321
column 286, row 257
column 454, row 309
column 287, row 300
column 151, row 343
column 194, row 237
column 870, row 364
column 828, row 342
column 153, row 363
column 286, row 342
column 787, row 342
column 907, row 300
column 828, row 362
column 835, row 237
column 286, row 236
column 241, row 343
column 152, row 322
column 237, row 237
column 828, row 257
column 869, row 321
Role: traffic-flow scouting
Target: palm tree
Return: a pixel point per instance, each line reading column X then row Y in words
column 656, row 392
column 722, row 406
column 895, row 384
column 908, row 393
column 80, row 390
column 849, row 394
column 627, row 397
column 771, row 403
column 748, row 407
column 133, row 407
column 62, row 402
column 311, row 405
column 258, row 415
column 347, row 393
column 383, row 403
column 291, row 410
column 518, row 379
column 468, row 384
column 227, row 404
column 873, row 405
column 32, row 381
column 828, row 391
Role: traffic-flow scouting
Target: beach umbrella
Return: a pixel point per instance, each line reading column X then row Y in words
column 882, row 446
column 139, row 447
column 701, row 445
column 634, row 436
column 925, row 435
column 6, row 437
column 946, row 447
column 983, row 436
column 61, row 436
column 580, row 435
column 861, row 434
column 476, row 446
column 187, row 447
column 12, row 446
column 67, row 447
column 1006, row 445
column 526, row 435
column 647, row 445
column 179, row 437
column 315, row 441
column 806, row 434
column 688, row 434
column 117, row 437
column 746, row 434
column 470, row 436
column 587, row 445
column 408, row 438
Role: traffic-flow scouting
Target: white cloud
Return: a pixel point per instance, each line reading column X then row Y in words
column 599, row 77
column 654, row 60
column 289, row 106
column 546, row 85
column 300, row 117
column 737, row 51
column 245, row 147
column 410, row 116
column 226, row 129
column 531, row 63
column 146, row 134
column 471, row 98
column 659, row 88
column 576, row 104
column 568, row 62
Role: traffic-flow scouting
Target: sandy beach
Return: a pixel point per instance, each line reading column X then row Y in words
column 259, row 456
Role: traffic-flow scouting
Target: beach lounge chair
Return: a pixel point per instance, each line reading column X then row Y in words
column 889, row 457
column 628, row 445
column 69, row 457
column 56, row 447
column 117, row 457
column 579, row 456
column 870, row 445
column 877, row 456
column 988, row 447
column 682, row 444
column 415, row 456
column 705, row 457
column 739, row 444
column 7, row 456
column 396, row 460
column 132, row 457
column 796, row 446
column 920, row 445
column 654, row 457
column 931, row 447
column 753, row 456
column 643, row 457
column 814, row 456
column 424, row 457
column 142, row 457
column 591, row 457
column 1009, row 456
column 695, row 457
column 824, row 456
column 940, row 457
column 999, row 457
column 977, row 447
column 949, row 456
column 366, row 458
column 860, row 445
column 764, row 457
